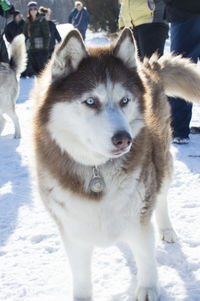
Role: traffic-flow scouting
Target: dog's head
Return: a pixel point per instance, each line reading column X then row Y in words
column 93, row 107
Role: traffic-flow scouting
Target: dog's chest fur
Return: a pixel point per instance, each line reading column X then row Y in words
column 104, row 221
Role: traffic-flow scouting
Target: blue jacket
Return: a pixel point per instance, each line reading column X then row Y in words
column 80, row 19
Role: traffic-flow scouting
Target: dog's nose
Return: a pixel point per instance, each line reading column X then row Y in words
column 121, row 140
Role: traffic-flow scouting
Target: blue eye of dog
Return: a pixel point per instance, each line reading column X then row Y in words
column 93, row 103
column 90, row 101
column 124, row 101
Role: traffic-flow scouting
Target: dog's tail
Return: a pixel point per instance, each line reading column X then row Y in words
column 18, row 59
column 181, row 77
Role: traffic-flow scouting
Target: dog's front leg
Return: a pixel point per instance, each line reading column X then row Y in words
column 11, row 113
column 2, row 123
column 144, row 253
column 80, row 261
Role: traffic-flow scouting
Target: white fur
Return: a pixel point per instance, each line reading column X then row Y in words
column 86, row 136
column 74, row 50
column 9, row 91
column 18, row 53
column 9, row 83
column 164, row 224
column 85, row 224
column 88, row 142
column 127, row 52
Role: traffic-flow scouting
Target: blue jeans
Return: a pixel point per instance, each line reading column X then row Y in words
column 185, row 39
column 83, row 32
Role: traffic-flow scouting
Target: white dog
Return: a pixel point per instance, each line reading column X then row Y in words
column 102, row 150
column 9, row 82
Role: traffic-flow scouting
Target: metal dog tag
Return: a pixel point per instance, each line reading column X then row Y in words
column 96, row 183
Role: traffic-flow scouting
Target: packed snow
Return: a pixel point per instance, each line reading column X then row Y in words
column 33, row 263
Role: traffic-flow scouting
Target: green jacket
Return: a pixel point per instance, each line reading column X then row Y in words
column 6, row 9
column 5, row 4
column 38, row 36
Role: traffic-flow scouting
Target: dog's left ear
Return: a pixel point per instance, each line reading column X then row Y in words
column 125, row 48
column 68, row 56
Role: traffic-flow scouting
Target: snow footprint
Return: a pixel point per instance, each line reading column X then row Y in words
column 36, row 239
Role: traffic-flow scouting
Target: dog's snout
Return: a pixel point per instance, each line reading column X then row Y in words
column 121, row 140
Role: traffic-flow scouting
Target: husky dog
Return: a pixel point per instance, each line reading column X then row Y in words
column 102, row 150
column 9, row 82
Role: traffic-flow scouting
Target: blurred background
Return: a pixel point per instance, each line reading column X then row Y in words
column 104, row 13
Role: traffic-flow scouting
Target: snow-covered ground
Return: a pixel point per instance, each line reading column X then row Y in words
column 33, row 263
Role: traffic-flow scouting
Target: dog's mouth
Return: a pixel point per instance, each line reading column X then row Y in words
column 117, row 153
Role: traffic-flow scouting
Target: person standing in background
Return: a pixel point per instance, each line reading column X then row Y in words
column 184, row 16
column 80, row 18
column 15, row 27
column 36, row 31
column 146, row 19
column 6, row 9
column 54, row 34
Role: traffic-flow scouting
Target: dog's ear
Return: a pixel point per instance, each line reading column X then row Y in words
column 125, row 48
column 68, row 56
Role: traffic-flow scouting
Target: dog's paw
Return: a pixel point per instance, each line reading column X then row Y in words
column 169, row 235
column 147, row 294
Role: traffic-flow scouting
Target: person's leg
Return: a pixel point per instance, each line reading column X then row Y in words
column 185, row 39
column 181, row 114
column 40, row 60
column 30, row 70
column 151, row 37
column 83, row 32
column 3, row 51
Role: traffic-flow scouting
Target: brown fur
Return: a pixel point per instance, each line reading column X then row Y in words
column 135, row 180
column 151, row 146
column 62, row 167
column 65, row 89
